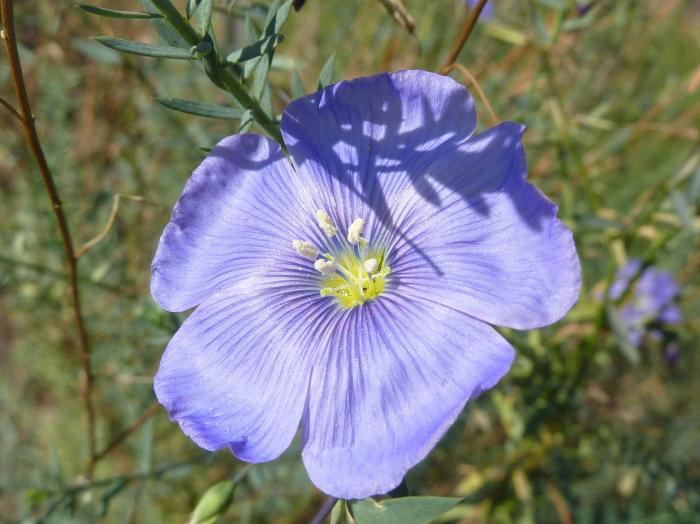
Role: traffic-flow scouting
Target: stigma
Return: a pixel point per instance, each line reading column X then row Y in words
column 353, row 272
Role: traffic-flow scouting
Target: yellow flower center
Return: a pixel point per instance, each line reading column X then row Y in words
column 357, row 278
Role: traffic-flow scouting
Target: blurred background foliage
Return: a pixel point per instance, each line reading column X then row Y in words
column 586, row 428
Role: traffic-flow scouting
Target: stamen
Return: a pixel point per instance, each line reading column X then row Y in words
column 325, row 267
column 355, row 231
column 371, row 265
column 325, row 222
column 305, row 248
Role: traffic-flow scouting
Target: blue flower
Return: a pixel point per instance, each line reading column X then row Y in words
column 652, row 302
column 350, row 290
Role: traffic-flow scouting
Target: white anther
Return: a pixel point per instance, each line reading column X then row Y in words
column 371, row 265
column 325, row 222
column 305, row 248
column 325, row 267
column 355, row 231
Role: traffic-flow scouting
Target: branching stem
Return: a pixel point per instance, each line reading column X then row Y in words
column 27, row 120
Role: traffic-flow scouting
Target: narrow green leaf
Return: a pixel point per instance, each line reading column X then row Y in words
column 163, row 27
column 113, row 13
column 276, row 16
column 260, row 72
column 581, row 22
column 282, row 15
column 683, row 209
column 326, row 76
column 297, row 85
column 250, row 34
column 266, row 100
column 201, row 17
column 507, row 34
column 338, row 513
column 255, row 50
column 214, row 503
column 95, row 51
column 246, row 121
column 538, row 23
column 139, row 48
column 621, row 332
column 190, row 7
column 200, row 108
column 405, row 510
column 694, row 188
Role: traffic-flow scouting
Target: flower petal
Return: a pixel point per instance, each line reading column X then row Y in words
column 394, row 377
column 493, row 248
column 237, row 372
column 349, row 134
column 238, row 212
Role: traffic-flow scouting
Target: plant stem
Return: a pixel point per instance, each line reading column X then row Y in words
column 220, row 72
column 152, row 410
column 325, row 510
column 27, row 120
column 463, row 36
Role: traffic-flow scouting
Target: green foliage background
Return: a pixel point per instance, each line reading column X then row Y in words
column 584, row 429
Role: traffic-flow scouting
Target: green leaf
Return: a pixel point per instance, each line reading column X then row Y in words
column 113, row 13
column 277, row 16
column 200, row 108
column 694, row 188
column 266, row 100
column 405, row 510
column 250, row 34
column 338, row 513
column 201, row 17
column 538, row 23
column 326, row 75
column 214, row 503
column 255, row 50
column 138, row 48
column 163, row 27
column 683, row 209
column 95, row 51
column 297, row 85
column 505, row 33
column 260, row 72
column 621, row 333
column 190, row 7
column 246, row 121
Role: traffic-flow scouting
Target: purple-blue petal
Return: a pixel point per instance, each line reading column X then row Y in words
column 238, row 370
column 350, row 135
column 395, row 376
column 238, row 214
column 493, row 247
column 463, row 225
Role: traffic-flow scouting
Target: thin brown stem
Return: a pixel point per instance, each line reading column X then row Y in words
column 463, row 36
column 27, row 119
column 325, row 510
column 116, row 441
column 11, row 109
column 477, row 87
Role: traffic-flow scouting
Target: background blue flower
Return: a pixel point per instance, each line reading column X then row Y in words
column 652, row 299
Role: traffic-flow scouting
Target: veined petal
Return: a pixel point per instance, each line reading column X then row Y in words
column 238, row 214
column 493, row 248
column 237, row 372
column 348, row 135
column 394, row 377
